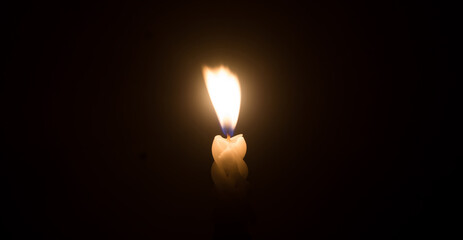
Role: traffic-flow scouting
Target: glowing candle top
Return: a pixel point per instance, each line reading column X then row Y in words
column 224, row 89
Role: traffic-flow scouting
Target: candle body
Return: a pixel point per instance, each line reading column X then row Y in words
column 229, row 171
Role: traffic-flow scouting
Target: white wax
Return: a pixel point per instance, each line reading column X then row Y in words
column 229, row 171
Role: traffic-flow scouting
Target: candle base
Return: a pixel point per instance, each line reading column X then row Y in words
column 232, row 217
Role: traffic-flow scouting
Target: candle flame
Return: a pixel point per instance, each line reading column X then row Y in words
column 224, row 89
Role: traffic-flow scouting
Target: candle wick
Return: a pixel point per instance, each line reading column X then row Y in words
column 228, row 137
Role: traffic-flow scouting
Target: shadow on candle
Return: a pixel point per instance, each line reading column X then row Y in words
column 229, row 186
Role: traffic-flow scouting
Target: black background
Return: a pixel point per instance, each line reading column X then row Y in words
column 346, row 110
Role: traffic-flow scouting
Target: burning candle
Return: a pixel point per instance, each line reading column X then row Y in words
column 229, row 171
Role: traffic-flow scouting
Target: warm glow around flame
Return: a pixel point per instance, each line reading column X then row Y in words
column 224, row 90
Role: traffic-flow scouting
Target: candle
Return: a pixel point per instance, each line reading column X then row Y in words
column 229, row 171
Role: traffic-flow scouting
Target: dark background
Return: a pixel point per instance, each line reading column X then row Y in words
column 346, row 110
